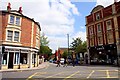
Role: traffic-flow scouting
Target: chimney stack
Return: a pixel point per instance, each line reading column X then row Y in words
column 115, row 1
column 20, row 10
column 9, row 7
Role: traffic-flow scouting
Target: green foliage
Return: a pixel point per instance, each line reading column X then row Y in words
column 65, row 54
column 79, row 46
column 43, row 40
column 44, row 48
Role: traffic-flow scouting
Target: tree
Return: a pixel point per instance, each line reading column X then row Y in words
column 43, row 40
column 65, row 54
column 79, row 46
column 44, row 48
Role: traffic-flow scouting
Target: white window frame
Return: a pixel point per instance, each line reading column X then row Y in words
column 17, row 37
column 108, row 26
column 100, row 40
column 91, row 30
column 110, row 38
column 13, row 35
column 10, row 19
column 16, row 58
column 98, row 25
column 14, row 20
column 97, row 16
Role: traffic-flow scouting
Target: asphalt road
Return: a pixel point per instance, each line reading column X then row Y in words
column 66, row 73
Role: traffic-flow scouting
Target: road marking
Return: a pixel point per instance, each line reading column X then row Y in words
column 105, row 77
column 54, row 75
column 71, row 75
column 31, row 76
column 19, row 71
column 90, row 74
column 39, row 73
column 107, row 73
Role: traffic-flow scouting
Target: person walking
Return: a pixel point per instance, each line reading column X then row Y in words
column 65, row 62
column 73, row 62
column 58, row 63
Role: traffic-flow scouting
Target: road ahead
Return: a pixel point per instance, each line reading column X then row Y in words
column 66, row 73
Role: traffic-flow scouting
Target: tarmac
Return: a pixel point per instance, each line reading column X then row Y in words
column 40, row 66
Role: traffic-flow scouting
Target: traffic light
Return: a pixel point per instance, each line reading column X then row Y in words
column 3, row 49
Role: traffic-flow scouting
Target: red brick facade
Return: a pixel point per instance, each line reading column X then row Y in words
column 20, row 35
column 102, row 28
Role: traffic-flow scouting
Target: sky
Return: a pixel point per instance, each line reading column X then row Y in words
column 58, row 18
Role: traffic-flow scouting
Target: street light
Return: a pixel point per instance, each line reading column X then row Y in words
column 68, row 43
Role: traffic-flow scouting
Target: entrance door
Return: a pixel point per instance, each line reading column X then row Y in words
column 10, row 63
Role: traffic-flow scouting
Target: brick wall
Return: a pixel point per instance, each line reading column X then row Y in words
column 26, row 30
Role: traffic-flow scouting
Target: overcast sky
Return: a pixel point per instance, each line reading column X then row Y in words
column 58, row 17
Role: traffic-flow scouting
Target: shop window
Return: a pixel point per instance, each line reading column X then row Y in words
column 34, row 58
column 16, row 58
column 12, row 19
column 10, row 35
column 23, row 58
column 4, row 60
column 16, row 36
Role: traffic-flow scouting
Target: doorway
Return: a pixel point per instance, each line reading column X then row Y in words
column 10, row 63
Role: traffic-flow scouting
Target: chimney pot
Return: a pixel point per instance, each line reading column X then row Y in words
column 9, row 7
column 20, row 9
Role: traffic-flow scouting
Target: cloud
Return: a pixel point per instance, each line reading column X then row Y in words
column 105, row 2
column 55, row 17
column 80, row 34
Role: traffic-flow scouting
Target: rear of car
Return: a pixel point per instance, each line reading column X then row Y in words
column 62, row 61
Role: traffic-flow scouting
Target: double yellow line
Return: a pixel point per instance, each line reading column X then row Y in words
column 71, row 75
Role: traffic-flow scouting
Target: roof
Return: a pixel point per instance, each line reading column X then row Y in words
column 15, row 12
column 97, row 8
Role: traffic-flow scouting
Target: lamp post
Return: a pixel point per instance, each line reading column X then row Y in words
column 68, row 43
column 19, row 59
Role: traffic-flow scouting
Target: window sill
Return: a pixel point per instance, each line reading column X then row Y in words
column 14, row 24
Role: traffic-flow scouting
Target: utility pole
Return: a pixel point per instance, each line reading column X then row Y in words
column 68, row 43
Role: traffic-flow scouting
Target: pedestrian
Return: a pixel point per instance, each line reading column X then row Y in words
column 58, row 63
column 73, row 62
column 65, row 62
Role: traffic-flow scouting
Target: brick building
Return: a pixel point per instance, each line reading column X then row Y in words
column 19, row 39
column 103, row 34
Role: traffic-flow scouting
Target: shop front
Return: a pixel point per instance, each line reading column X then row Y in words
column 106, row 54
column 18, row 58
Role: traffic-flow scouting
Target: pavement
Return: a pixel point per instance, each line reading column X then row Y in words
column 42, row 65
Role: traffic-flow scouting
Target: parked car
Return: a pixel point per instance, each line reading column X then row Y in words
column 62, row 60
column 51, row 60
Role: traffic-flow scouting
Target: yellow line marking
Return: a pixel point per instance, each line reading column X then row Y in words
column 107, row 73
column 54, row 75
column 105, row 70
column 71, row 75
column 116, row 70
column 105, row 77
column 90, row 74
column 19, row 71
column 31, row 76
